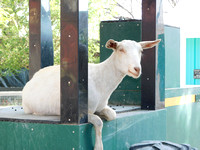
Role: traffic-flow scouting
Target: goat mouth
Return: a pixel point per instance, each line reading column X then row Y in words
column 135, row 75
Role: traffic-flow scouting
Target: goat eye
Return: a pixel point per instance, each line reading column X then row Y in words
column 122, row 50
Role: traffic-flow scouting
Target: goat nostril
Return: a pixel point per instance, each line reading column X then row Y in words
column 137, row 69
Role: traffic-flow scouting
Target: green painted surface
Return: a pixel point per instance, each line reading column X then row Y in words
column 175, row 92
column 33, row 136
column 130, row 30
column 119, row 134
column 160, row 69
column 183, row 124
column 192, row 60
column 178, row 124
column 172, row 57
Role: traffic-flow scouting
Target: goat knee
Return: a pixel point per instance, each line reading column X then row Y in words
column 108, row 113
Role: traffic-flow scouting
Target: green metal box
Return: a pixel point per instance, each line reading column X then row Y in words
column 129, row 91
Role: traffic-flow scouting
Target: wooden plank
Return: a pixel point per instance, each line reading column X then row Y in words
column 153, row 63
column 73, row 101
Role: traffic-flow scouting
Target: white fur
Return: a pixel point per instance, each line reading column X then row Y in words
column 41, row 95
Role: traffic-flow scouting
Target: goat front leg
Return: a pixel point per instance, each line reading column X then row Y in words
column 108, row 113
column 98, row 125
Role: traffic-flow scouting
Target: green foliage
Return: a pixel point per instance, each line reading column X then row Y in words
column 55, row 21
column 13, row 36
column 99, row 10
column 14, row 32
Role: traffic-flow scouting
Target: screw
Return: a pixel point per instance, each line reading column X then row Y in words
column 69, row 83
column 147, row 78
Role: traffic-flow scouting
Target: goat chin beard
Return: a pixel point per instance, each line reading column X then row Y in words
column 132, row 74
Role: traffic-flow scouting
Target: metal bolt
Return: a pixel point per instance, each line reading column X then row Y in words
column 73, row 148
column 73, row 131
column 32, row 129
column 138, row 25
column 147, row 78
column 137, row 87
column 124, row 95
column 69, row 35
column 83, row 80
column 148, row 8
column 120, row 25
column 69, row 83
column 34, row 45
column 102, row 26
column 69, row 119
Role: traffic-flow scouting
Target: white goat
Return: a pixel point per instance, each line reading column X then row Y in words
column 41, row 95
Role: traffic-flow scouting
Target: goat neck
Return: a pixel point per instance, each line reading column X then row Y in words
column 110, row 74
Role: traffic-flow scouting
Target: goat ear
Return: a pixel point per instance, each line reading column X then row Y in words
column 111, row 44
column 149, row 44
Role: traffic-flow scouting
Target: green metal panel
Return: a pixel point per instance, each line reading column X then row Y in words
column 121, row 30
column 172, row 57
column 183, row 124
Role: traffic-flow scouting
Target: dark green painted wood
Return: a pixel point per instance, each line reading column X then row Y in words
column 125, row 97
column 183, row 124
column 127, row 129
column 172, row 57
column 121, row 30
column 30, row 136
column 153, row 64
